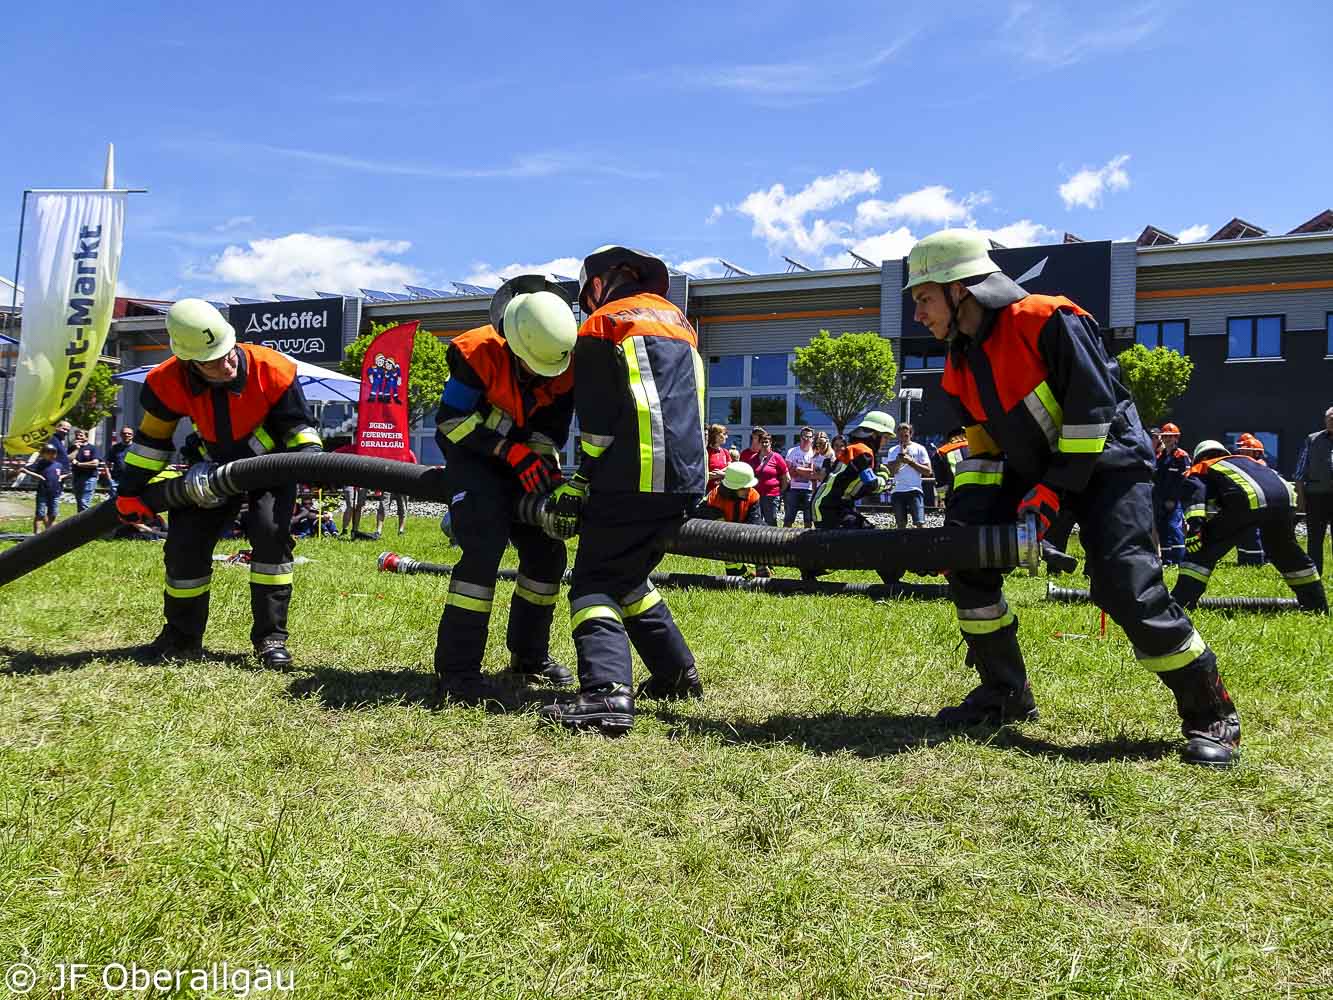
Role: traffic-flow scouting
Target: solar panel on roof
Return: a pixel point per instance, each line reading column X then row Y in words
column 563, row 278
column 467, row 289
column 217, row 305
column 399, row 296
column 288, row 298
column 247, row 302
column 417, row 292
column 330, row 295
column 376, row 296
column 444, row 294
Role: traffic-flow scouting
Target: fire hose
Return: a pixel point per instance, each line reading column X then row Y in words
column 923, row 550
column 392, row 562
column 1070, row 595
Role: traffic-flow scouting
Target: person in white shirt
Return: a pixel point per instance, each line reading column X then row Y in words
column 908, row 461
column 801, row 462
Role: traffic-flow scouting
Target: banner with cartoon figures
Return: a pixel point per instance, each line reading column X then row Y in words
column 69, row 292
column 382, row 422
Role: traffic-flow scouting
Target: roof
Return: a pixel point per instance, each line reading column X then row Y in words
column 1321, row 223
column 1154, row 237
column 1237, row 229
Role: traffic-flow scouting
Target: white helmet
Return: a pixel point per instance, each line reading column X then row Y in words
column 539, row 327
column 198, row 331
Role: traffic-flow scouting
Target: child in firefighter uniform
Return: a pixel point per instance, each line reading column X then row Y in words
column 503, row 416
column 854, row 475
column 734, row 500
column 243, row 400
column 1231, row 497
column 1172, row 463
column 639, row 398
column 1049, row 425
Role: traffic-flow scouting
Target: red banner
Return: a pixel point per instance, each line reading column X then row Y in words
column 382, row 427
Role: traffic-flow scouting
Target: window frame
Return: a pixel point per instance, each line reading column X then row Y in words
column 1253, row 320
column 1328, row 335
column 1158, row 325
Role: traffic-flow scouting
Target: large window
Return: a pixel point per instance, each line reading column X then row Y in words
column 1254, row 337
column 922, row 354
column 724, row 410
column 768, row 369
column 1328, row 327
column 726, row 369
column 768, row 411
column 809, row 414
column 1167, row 333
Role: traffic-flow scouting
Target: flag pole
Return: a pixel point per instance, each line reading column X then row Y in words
column 8, row 371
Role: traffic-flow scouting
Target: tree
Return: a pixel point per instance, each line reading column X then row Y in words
column 425, row 380
column 1155, row 378
column 98, row 400
column 845, row 376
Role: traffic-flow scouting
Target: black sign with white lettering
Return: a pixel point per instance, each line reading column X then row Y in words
column 1078, row 271
column 307, row 330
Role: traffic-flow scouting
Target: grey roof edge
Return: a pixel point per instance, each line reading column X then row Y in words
column 1251, row 247
column 852, row 277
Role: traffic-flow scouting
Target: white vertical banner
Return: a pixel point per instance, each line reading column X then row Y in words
column 69, row 292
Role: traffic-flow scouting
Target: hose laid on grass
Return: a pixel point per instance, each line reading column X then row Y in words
column 1070, row 595
column 392, row 562
column 924, row 550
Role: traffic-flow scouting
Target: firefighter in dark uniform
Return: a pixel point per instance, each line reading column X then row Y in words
column 242, row 400
column 1229, row 497
column 1173, row 462
column 504, row 414
column 734, row 500
column 639, row 398
column 1049, row 425
column 855, row 474
column 945, row 463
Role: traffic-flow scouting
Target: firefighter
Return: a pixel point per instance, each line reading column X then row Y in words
column 734, row 499
column 1229, row 497
column 1250, row 548
column 503, row 416
column 1173, row 462
column 854, row 475
column 1050, row 426
column 639, row 399
column 242, row 400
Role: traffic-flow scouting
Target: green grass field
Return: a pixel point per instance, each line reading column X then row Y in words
column 802, row 832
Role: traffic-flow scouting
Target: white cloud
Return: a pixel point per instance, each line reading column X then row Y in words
column 1193, row 234
column 302, row 263
column 714, row 215
column 780, row 218
column 1086, row 187
column 1023, row 233
column 934, row 203
column 235, row 222
column 492, row 277
column 1049, row 35
column 797, row 80
column 882, row 246
column 700, row 267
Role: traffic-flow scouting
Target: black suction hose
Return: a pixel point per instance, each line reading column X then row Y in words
column 1069, row 595
column 392, row 562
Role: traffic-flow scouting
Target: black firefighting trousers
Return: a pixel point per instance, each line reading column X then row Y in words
column 1115, row 519
column 1277, row 530
column 482, row 511
column 192, row 532
column 612, row 604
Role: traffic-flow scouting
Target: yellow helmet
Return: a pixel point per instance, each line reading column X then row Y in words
column 198, row 332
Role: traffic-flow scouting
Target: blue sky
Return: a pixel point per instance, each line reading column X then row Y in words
column 292, row 148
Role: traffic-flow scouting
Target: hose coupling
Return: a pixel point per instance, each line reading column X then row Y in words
column 199, row 487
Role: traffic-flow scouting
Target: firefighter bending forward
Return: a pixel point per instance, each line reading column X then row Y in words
column 1049, row 424
column 243, row 400
column 639, row 399
column 1230, row 499
column 503, row 416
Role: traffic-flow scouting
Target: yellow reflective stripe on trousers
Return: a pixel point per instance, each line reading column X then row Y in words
column 592, row 611
column 536, row 592
column 1252, row 489
column 271, row 574
column 984, row 620
column 1200, row 573
column 1046, row 411
column 978, row 472
column 188, row 588
column 1302, row 576
column 648, row 410
column 641, row 604
column 1191, row 650
column 470, row 596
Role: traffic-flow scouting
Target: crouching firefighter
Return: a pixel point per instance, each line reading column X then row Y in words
column 242, row 400
column 1230, row 498
column 503, row 416
column 852, row 477
column 639, row 398
column 1049, row 425
column 734, row 500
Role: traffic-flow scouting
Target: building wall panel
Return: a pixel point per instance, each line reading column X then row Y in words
column 1207, row 315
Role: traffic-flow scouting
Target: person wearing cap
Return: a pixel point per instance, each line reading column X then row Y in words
column 735, row 500
column 1050, row 426
column 1229, row 498
column 242, row 400
column 504, row 414
column 854, row 475
column 1173, row 462
column 1250, row 548
column 639, row 399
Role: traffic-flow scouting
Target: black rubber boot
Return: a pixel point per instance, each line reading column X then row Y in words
column 686, row 684
column 170, row 645
column 274, row 655
column 609, row 710
column 1057, row 561
column 545, row 669
column 1208, row 719
column 1311, row 597
column 1004, row 695
column 473, row 690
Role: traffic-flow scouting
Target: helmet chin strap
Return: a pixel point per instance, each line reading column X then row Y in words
column 954, row 331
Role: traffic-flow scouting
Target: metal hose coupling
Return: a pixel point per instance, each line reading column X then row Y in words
column 1029, row 544
column 532, row 509
column 392, row 562
column 200, row 486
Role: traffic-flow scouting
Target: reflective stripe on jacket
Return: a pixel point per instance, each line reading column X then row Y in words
column 640, row 397
column 1235, row 484
column 1036, row 383
column 844, row 485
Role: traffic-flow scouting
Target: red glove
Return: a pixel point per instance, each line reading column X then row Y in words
column 132, row 510
column 1041, row 501
column 534, row 475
